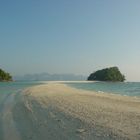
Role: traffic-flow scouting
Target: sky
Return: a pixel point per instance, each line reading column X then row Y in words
column 70, row 36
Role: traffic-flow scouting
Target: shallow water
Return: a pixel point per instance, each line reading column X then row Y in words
column 8, row 93
column 126, row 88
column 25, row 118
column 8, row 87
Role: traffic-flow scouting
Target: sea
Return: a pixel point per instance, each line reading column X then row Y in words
column 8, row 88
column 121, row 88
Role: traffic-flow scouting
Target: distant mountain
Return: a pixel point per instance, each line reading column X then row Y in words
column 49, row 77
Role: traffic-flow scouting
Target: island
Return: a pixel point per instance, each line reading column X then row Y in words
column 4, row 76
column 112, row 74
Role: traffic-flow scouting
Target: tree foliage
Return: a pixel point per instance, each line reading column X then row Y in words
column 107, row 74
column 4, row 76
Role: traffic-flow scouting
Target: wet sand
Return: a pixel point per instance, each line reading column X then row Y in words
column 55, row 111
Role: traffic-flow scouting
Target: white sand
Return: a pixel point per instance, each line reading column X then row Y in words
column 114, row 114
column 55, row 111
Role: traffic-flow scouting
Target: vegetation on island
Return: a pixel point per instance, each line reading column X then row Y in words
column 112, row 74
column 4, row 76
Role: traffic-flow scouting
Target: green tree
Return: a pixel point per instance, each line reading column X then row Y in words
column 4, row 76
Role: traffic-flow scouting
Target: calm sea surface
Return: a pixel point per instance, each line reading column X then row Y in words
column 8, row 87
column 126, row 88
column 12, row 88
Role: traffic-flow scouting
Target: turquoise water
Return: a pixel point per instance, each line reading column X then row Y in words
column 126, row 88
column 11, row 87
column 7, row 89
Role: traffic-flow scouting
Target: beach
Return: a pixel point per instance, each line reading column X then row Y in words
column 56, row 111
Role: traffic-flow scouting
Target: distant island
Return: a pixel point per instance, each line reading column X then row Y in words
column 4, row 76
column 112, row 74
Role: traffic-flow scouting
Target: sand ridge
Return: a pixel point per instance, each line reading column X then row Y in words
column 56, row 111
column 116, row 115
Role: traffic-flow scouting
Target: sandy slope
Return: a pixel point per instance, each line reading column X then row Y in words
column 55, row 111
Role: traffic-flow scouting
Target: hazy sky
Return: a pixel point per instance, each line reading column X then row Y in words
column 70, row 36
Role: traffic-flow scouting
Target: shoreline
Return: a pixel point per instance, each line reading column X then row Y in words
column 90, row 91
column 115, row 115
column 56, row 111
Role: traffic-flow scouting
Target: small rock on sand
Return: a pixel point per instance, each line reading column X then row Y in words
column 80, row 130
